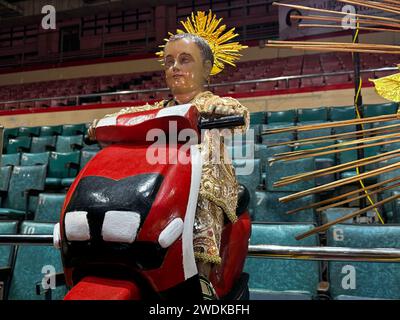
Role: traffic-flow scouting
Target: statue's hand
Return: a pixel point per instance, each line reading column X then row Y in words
column 92, row 130
column 222, row 110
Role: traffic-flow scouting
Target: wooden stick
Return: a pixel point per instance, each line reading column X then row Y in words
column 334, row 136
column 333, row 49
column 345, row 195
column 323, row 153
column 366, row 3
column 392, row 1
column 336, row 204
column 315, row 25
column 339, row 168
column 333, row 124
column 346, row 217
column 333, row 19
column 337, row 145
column 340, row 182
column 342, row 44
column 334, row 12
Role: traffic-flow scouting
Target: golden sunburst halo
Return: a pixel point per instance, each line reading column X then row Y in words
column 388, row 87
column 207, row 26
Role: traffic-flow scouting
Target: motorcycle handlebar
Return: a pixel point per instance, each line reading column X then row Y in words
column 204, row 123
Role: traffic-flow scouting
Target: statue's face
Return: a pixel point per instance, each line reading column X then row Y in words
column 185, row 70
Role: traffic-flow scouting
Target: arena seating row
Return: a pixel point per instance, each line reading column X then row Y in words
column 35, row 207
column 250, row 70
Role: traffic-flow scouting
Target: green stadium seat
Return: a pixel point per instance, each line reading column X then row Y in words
column 86, row 156
column 49, row 207
column 73, row 129
column 28, row 131
column 288, row 116
column 282, row 169
column 50, row 130
column 280, row 279
column 62, row 167
column 364, row 279
column 11, row 159
column 312, row 133
column 20, row 144
column 342, row 113
column 331, row 214
column 257, row 117
column 331, row 156
column 373, row 110
column 5, row 175
column 33, row 159
column 269, row 209
column 10, row 133
column 43, row 144
column 313, row 114
column 69, row 143
column 25, row 184
column 31, row 263
column 6, row 253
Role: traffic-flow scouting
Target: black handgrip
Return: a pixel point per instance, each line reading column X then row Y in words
column 222, row 122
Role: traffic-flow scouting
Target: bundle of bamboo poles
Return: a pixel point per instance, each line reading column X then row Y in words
column 364, row 22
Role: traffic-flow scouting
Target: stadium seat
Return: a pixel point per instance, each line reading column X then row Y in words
column 28, row 131
column 49, row 207
column 50, row 131
column 41, row 260
column 280, row 279
column 313, row 114
column 364, row 279
column 288, row 116
column 33, row 159
column 12, row 159
column 331, row 214
column 73, row 129
column 6, row 252
column 69, row 143
column 373, row 110
column 25, row 184
column 62, row 169
column 257, row 117
column 281, row 169
column 43, row 144
column 312, row 133
column 86, row 156
column 283, row 136
column 269, row 209
column 342, row 113
column 20, row 144
column 5, row 175
column 10, row 133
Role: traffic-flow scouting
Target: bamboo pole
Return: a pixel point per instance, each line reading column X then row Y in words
column 340, row 182
column 333, row 19
column 334, row 12
column 316, row 25
column 338, row 145
column 346, row 217
column 334, row 136
column 334, row 124
column 333, row 49
column 342, row 44
column 339, row 168
column 365, row 3
column 336, row 204
column 344, row 195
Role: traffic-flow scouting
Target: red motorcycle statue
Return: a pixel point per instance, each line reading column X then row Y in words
column 126, row 228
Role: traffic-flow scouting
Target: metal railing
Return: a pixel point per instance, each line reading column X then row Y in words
column 262, row 250
column 284, row 78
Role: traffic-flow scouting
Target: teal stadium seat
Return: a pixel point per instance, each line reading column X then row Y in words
column 33, row 159
column 364, row 279
column 69, row 143
column 12, row 159
column 6, row 254
column 62, row 169
column 257, row 117
column 373, row 110
column 50, row 130
column 312, row 133
column 269, row 209
column 49, row 207
column 282, row 136
column 86, row 156
column 340, row 114
column 25, row 183
column 331, row 214
column 5, row 175
column 313, row 114
column 29, row 264
column 73, row 129
column 279, row 279
column 288, row 116
column 281, row 169
column 28, row 131
column 20, row 144
column 43, row 144
column 10, row 133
